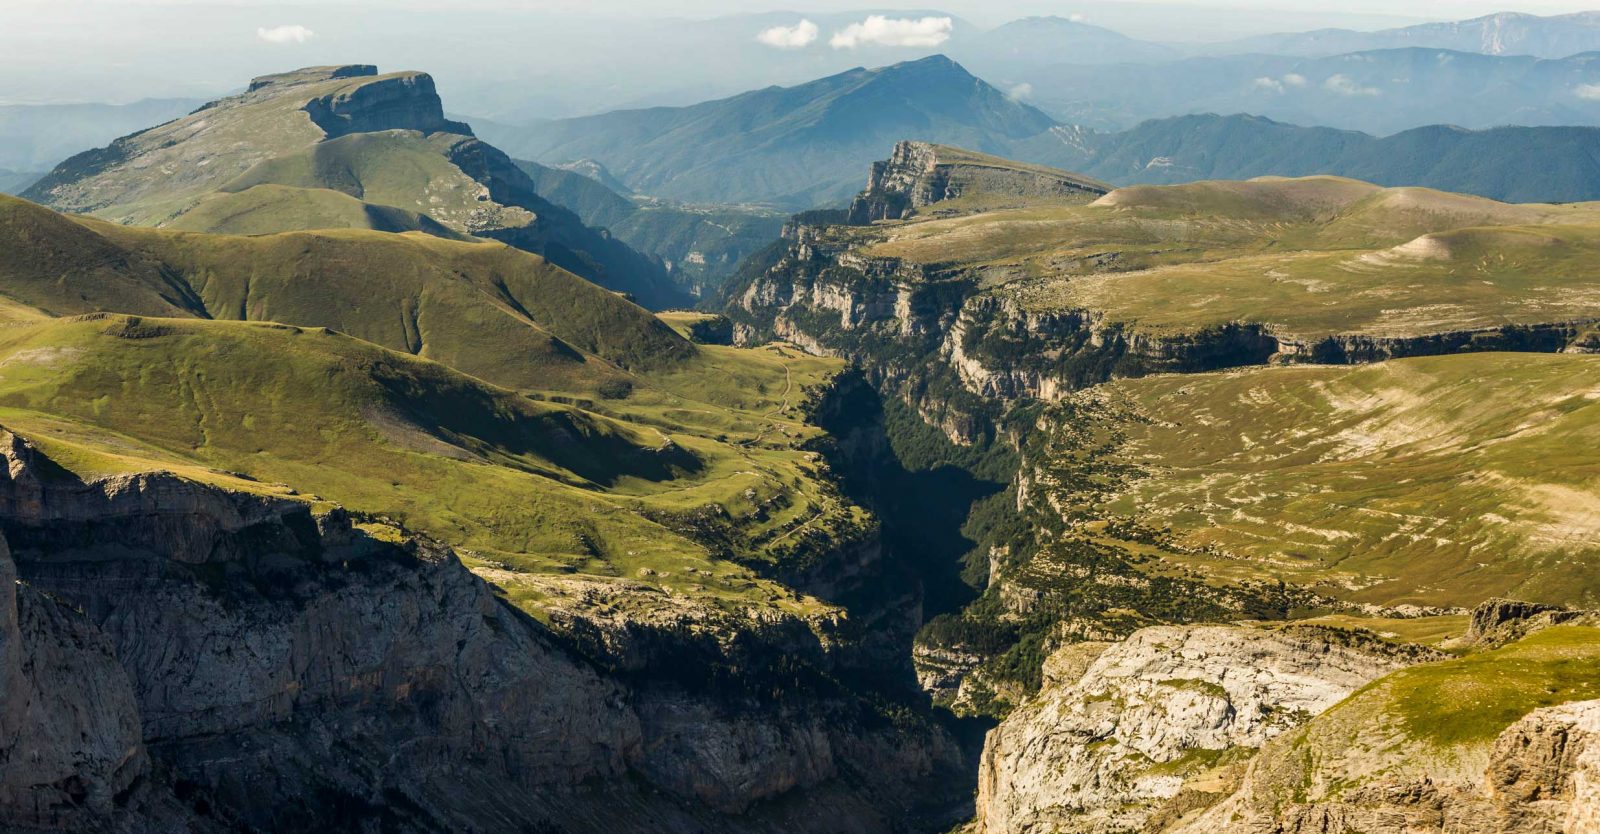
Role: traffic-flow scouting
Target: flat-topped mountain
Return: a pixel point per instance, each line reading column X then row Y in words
column 794, row 146
column 361, row 150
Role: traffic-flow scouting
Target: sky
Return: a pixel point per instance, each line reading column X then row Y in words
column 523, row 58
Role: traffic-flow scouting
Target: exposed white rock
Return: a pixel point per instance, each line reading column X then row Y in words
column 1103, row 751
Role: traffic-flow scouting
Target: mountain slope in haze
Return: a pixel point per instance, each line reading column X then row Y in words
column 490, row 310
column 1379, row 91
column 792, row 146
column 34, row 137
column 1504, row 33
column 1032, row 42
column 13, row 182
column 379, row 139
column 1511, row 164
column 700, row 245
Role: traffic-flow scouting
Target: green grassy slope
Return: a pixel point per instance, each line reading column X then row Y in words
column 266, row 209
column 1308, row 257
column 496, row 312
column 546, row 499
column 1435, row 481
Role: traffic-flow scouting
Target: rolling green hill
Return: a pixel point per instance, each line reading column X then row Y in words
column 487, row 309
column 269, row 208
column 380, row 140
column 573, row 443
column 554, row 503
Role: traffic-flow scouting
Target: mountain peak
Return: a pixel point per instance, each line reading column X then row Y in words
column 312, row 75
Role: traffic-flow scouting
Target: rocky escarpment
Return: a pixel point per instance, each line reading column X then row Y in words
column 1542, row 777
column 918, row 174
column 917, row 330
column 402, row 102
column 1125, row 728
column 245, row 660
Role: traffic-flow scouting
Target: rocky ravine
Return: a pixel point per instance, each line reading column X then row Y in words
column 179, row 654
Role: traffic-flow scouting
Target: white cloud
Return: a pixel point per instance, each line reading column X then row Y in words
column 1590, row 92
column 1277, row 85
column 1345, row 86
column 894, row 31
column 797, row 36
column 285, row 34
column 1078, row 17
column 1021, row 92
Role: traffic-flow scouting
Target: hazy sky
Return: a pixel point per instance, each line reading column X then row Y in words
column 563, row 55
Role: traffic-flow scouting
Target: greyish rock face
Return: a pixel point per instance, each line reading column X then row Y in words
column 1104, row 751
column 1543, row 777
column 70, row 739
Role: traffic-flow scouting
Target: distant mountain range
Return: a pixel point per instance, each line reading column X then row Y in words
column 1383, row 91
column 1506, row 33
column 700, row 245
column 13, row 182
column 1513, row 164
column 805, row 146
column 34, row 137
column 794, row 147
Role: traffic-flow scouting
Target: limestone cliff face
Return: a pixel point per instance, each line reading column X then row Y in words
column 1106, row 749
column 242, row 659
column 1542, row 777
column 401, row 102
column 918, row 174
column 70, row 738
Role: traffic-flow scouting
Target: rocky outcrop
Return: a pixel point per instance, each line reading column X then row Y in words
column 1106, row 749
column 1542, row 777
column 281, row 669
column 919, row 174
column 407, row 101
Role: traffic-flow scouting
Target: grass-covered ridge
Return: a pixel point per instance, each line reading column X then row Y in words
column 546, row 499
column 484, row 308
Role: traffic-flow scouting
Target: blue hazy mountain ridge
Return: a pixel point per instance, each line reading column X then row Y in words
column 1382, row 91
column 1512, row 164
column 805, row 146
